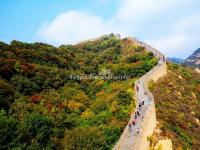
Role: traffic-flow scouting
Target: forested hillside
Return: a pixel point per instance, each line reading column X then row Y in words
column 43, row 108
column 177, row 100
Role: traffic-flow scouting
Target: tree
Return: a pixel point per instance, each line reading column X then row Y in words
column 6, row 95
column 36, row 131
column 124, row 98
column 139, row 49
column 8, row 131
column 83, row 138
column 18, row 44
column 4, row 46
column 6, row 69
column 24, row 85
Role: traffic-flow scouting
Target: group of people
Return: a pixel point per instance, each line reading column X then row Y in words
column 162, row 59
column 141, row 104
column 136, row 115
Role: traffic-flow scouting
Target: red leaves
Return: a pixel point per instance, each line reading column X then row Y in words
column 49, row 106
column 35, row 98
column 198, row 89
column 60, row 106
column 10, row 61
column 27, row 67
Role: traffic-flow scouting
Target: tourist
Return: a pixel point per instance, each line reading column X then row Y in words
column 135, row 117
column 137, row 88
column 129, row 126
column 142, row 102
column 134, row 122
column 142, row 118
column 138, row 131
column 138, row 113
column 139, row 107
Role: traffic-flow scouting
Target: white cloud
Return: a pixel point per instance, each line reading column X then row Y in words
column 172, row 26
column 182, row 39
column 73, row 26
column 175, row 44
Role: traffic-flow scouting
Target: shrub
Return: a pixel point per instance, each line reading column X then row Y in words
column 124, row 98
column 6, row 95
column 24, row 85
column 37, row 128
column 8, row 131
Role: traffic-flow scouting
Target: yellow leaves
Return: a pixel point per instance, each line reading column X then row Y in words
column 132, row 82
column 194, row 95
column 80, row 97
column 99, row 83
column 106, row 96
column 72, row 105
column 81, row 63
column 114, row 107
column 100, row 93
column 87, row 114
column 130, row 91
column 179, row 94
column 165, row 144
column 181, row 115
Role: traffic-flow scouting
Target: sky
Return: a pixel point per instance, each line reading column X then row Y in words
column 171, row 26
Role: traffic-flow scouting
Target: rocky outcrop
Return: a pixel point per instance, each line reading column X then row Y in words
column 165, row 144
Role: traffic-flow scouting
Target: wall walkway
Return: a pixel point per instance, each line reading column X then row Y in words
column 134, row 137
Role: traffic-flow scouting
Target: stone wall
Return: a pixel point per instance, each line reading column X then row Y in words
column 147, row 123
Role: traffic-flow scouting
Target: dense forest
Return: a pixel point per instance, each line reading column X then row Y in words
column 177, row 104
column 41, row 107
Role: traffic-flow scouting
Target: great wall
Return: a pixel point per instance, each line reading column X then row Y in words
column 136, row 137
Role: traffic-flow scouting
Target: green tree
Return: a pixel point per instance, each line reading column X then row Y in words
column 6, row 95
column 36, row 131
column 8, row 131
column 24, row 85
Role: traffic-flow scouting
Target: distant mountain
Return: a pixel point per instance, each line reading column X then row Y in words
column 175, row 60
column 193, row 60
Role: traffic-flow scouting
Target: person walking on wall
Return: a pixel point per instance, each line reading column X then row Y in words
column 129, row 126
column 134, row 122
column 142, row 118
column 140, row 106
column 135, row 116
column 138, row 132
column 137, row 88
column 138, row 113
column 142, row 102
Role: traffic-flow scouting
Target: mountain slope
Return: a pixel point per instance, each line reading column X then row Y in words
column 44, row 108
column 177, row 99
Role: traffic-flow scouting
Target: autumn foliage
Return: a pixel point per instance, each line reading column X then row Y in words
column 43, row 108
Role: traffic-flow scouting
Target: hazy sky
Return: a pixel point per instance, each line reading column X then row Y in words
column 172, row 26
